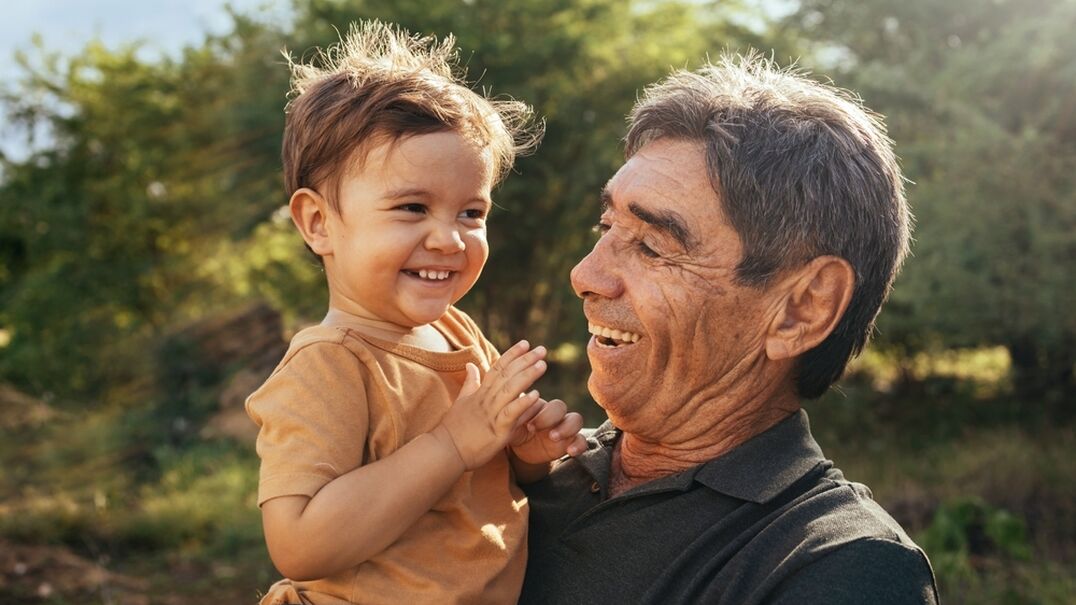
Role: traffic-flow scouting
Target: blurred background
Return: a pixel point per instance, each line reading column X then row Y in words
column 149, row 279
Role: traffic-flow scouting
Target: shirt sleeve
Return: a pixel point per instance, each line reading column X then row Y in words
column 313, row 420
column 870, row 570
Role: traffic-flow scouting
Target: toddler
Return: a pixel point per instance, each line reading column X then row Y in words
column 392, row 434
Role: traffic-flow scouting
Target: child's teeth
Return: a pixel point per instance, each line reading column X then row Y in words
column 428, row 274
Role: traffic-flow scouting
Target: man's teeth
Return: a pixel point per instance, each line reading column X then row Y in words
column 618, row 335
column 427, row 274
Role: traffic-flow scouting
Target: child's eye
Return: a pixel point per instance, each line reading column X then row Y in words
column 473, row 214
column 414, row 207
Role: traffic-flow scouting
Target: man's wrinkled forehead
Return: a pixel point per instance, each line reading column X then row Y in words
column 647, row 196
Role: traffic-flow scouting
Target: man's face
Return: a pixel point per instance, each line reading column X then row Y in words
column 671, row 328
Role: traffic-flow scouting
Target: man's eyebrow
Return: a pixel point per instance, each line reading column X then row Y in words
column 668, row 221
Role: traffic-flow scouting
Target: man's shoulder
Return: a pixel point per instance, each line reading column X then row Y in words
column 833, row 543
column 845, row 510
column 881, row 570
column 825, row 513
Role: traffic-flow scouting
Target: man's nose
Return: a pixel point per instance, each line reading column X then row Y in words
column 444, row 238
column 596, row 275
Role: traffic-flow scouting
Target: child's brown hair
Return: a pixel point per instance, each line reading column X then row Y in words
column 381, row 83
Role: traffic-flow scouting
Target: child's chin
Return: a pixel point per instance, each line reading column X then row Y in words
column 427, row 314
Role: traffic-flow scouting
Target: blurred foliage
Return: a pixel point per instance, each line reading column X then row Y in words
column 155, row 200
column 152, row 202
column 981, row 100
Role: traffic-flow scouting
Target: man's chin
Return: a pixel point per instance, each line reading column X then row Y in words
column 611, row 395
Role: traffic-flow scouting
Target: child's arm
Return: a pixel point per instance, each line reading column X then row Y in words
column 362, row 512
column 552, row 433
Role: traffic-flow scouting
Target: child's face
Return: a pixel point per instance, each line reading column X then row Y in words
column 410, row 238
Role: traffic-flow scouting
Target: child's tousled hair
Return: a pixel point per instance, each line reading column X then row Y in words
column 382, row 83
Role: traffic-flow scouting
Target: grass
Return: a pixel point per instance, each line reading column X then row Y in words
column 980, row 479
column 181, row 520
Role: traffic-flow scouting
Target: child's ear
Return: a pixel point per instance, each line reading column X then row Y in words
column 815, row 299
column 310, row 213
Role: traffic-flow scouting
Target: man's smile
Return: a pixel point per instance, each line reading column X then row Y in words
column 611, row 337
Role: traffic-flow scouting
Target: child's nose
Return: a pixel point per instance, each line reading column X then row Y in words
column 445, row 239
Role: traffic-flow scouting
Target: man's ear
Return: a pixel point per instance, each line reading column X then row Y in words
column 816, row 296
column 310, row 213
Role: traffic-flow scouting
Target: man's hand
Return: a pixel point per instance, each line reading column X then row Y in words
column 484, row 416
column 551, row 433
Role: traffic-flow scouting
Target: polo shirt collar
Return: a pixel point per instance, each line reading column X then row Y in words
column 766, row 464
column 756, row 471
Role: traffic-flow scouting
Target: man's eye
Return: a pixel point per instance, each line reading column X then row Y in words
column 600, row 229
column 647, row 250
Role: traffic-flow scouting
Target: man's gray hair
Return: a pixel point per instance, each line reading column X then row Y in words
column 802, row 170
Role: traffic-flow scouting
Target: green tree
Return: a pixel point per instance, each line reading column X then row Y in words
column 979, row 98
column 148, row 165
column 580, row 63
column 157, row 198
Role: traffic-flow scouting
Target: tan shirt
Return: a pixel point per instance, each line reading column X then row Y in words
column 340, row 399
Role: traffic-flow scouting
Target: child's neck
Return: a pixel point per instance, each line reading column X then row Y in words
column 424, row 336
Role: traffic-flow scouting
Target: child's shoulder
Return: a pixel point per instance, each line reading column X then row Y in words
column 321, row 345
column 315, row 334
column 323, row 372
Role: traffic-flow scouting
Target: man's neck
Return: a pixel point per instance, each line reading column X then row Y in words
column 639, row 459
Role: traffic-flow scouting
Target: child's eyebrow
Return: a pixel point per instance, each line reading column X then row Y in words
column 406, row 192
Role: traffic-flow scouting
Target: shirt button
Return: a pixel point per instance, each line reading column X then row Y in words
column 595, row 488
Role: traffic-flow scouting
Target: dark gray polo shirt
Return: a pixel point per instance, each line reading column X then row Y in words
column 771, row 521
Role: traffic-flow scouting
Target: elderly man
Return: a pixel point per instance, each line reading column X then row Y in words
column 745, row 249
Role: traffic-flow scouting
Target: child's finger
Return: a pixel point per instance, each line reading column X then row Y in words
column 471, row 382
column 577, row 446
column 518, row 382
column 551, row 415
column 513, row 353
column 530, row 413
column 569, row 426
column 524, row 361
column 517, row 407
